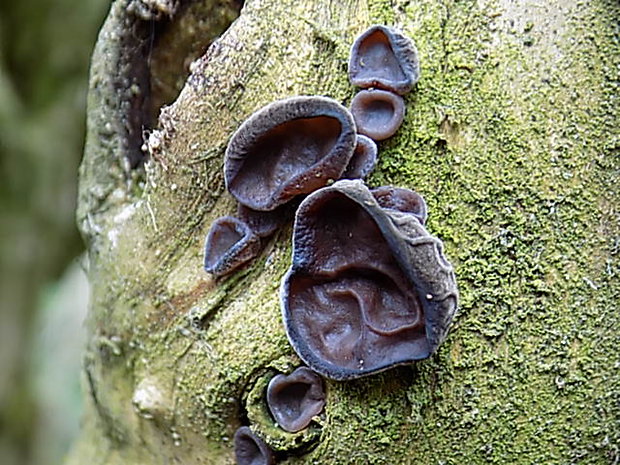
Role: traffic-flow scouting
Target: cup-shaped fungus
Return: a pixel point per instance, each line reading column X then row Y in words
column 295, row 399
column 378, row 114
column 402, row 200
column 364, row 159
column 230, row 243
column 290, row 147
column 368, row 288
column 250, row 449
column 384, row 58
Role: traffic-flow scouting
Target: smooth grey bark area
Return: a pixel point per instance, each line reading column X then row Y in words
column 511, row 136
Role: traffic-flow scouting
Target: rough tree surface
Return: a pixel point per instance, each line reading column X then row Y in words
column 511, row 136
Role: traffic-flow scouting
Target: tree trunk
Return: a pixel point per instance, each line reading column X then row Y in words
column 511, row 136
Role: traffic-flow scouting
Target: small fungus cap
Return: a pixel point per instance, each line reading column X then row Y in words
column 378, row 114
column 290, row 147
column 383, row 57
column 368, row 288
column 364, row 159
column 295, row 399
column 402, row 200
column 250, row 449
column 230, row 244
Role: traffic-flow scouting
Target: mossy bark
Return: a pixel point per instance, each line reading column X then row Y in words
column 511, row 136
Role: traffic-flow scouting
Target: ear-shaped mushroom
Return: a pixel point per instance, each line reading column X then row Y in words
column 382, row 57
column 402, row 200
column 364, row 159
column 368, row 288
column 230, row 243
column 377, row 113
column 290, row 147
column 294, row 399
column 250, row 449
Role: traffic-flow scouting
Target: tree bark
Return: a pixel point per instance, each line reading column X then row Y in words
column 511, row 136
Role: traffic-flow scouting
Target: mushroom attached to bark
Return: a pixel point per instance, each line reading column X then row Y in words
column 290, row 147
column 402, row 200
column 378, row 114
column 368, row 288
column 230, row 244
column 382, row 57
column 264, row 224
column 295, row 399
column 364, row 159
column 250, row 449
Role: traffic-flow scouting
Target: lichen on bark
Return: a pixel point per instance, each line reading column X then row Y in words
column 512, row 138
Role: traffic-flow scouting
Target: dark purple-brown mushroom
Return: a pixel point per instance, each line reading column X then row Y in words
column 368, row 288
column 377, row 113
column 364, row 159
column 290, row 147
column 384, row 58
column 230, row 243
column 250, row 449
column 265, row 223
column 295, row 399
column 402, row 200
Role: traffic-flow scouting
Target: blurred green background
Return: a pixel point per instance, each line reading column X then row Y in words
column 44, row 57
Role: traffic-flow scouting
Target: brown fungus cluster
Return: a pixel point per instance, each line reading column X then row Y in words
column 368, row 288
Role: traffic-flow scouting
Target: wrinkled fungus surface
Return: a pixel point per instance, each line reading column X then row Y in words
column 364, row 159
column 368, row 289
column 290, row 147
column 294, row 399
column 230, row 243
column 402, row 200
column 250, row 449
column 383, row 57
column 378, row 114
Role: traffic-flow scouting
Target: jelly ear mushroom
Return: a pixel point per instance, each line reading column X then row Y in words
column 402, row 200
column 250, row 449
column 290, row 147
column 230, row 244
column 378, row 114
column 364, row 159
column 368, row 288
column 265, row 223
column 382, row 57
column 295, row 399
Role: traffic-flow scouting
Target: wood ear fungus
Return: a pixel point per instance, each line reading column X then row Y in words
column 250, row 449
column 384, row 58
column 364, row 159
column 402, row 200
column 295, row 399
column 264, row 224
column 230, row 244
column 368, row 288
column 377, row 113
column 290, row 147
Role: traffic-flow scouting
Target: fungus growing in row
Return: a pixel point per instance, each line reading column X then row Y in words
column 295, row 399
column 364, row 159
column 290, row 147
column 382, row 57
column 230, row 243
column 377, row 113
column 402, row 200
column 368, row 288
column 250, row 449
